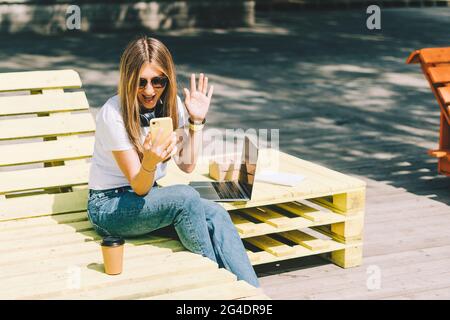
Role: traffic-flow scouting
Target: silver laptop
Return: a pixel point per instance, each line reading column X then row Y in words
column 237, row 190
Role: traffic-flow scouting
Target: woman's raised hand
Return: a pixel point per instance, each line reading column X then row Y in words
column 197, row 99
column 161, row 149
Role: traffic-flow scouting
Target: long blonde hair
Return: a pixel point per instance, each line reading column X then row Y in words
column 138, row 52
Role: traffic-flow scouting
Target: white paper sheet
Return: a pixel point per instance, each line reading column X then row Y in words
column 281, row 178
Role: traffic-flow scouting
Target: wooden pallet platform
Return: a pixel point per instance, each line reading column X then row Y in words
column 49, row 249
column 323, row 215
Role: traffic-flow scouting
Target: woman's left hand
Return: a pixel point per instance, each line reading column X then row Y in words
column 197, row 100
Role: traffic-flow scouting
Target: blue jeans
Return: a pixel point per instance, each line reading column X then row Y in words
column 204, row 227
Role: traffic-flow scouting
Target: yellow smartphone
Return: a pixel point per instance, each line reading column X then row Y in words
column 165, row 123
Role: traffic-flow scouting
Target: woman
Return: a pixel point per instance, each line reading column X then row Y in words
column 124, row 199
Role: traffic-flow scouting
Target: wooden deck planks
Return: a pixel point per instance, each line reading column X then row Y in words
column 406, row 237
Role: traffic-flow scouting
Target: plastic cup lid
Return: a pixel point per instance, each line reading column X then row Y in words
column 112, row 241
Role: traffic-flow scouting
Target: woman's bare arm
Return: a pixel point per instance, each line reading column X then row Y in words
column 188, row 150
column 140, row 180
column 141, row 175
column 197, row 101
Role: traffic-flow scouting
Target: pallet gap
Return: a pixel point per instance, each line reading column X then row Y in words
column 248, row 217
column 283, row 240
column 282, row 211
column 251, row 247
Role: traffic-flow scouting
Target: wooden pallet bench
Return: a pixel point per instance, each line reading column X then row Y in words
column 324, row 215
column 49, row 249
column 435, row 65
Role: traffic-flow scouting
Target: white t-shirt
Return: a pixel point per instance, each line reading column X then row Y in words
column 111, row 135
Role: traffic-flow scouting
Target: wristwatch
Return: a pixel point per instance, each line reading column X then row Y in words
column 196, row 125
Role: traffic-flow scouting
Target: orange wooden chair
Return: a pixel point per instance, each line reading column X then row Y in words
column 435, row 63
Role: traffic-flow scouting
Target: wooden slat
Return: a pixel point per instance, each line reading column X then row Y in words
column 299, row 251
column 272, row 246
column 65, row 124
column 243, row 225
column 22, row 224
column 35, row 80
column 435, row 55
column 306, row 240
column 305, row 211
column 65, row 228
column 269, row 216
column 73, row 139
column 48, row 240
column 439, row 74
column 277, row 218
column 227, row 291
column 253, row 257
column 40, row 103
column 444, row 92
column 413, row 57
column 296, row 223
column 351, row 203
column 59, row 150
column 78, row 247
column 42, row 205
column 338, row 234
column 23, row 249
column 300, row 223
column 439, row 153
column 49, row 177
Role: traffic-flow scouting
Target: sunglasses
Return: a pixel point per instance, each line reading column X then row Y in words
column 157, row 82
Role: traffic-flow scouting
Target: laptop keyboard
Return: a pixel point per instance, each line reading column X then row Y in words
column 227, row 190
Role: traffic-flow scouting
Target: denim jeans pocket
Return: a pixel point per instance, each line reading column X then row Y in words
column 93, row 216
column 94, row 204
column 96, row 200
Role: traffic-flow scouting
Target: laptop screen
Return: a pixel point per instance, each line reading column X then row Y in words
column 248, row 166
